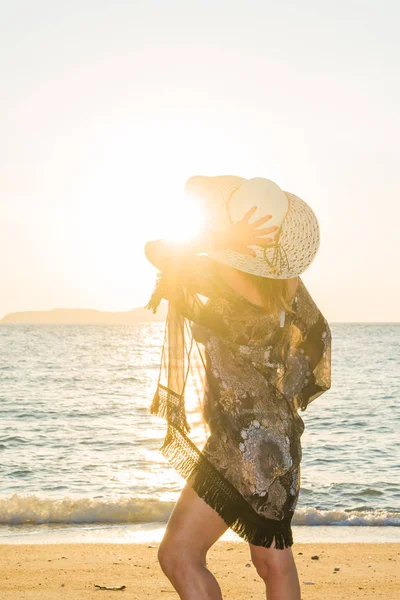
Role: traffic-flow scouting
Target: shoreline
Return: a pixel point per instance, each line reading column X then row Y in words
column 354, row 570
column 59, row 533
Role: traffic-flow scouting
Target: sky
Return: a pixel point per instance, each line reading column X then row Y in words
column 106, row 108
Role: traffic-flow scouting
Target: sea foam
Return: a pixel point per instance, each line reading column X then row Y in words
column 18, row 510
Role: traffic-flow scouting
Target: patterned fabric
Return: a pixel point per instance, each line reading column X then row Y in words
column 232, row 381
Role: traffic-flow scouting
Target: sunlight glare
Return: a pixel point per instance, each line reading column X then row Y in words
column 184, row 220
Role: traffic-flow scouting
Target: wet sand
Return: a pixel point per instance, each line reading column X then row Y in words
column 47, row 571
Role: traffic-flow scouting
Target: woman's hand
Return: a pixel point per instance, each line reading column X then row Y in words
column 238, row 236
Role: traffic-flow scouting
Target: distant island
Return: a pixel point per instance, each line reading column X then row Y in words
column 86, row 316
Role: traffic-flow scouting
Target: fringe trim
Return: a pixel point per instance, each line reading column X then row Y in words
column 222, row 496
column 170, row 406
column 158, row 293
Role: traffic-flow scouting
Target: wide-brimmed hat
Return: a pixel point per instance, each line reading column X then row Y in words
column 225, row 199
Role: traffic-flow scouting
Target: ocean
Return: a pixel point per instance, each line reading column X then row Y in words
column 79, row 451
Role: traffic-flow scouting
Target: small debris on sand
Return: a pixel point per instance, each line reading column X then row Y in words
column 112, row 588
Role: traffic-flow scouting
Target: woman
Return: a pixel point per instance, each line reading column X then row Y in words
column 235, row 369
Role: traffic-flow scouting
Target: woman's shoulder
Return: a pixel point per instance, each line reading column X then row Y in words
column 306, row 307
column 303, row 291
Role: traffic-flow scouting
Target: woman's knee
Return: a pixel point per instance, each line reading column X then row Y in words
column 272, row 563
column 175, row 560
column 168, row 557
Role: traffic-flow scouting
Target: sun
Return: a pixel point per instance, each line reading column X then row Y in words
column 183, row 221
column 170, row 214
column 109, row 220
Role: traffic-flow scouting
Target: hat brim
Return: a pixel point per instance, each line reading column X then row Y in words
column 299, row 241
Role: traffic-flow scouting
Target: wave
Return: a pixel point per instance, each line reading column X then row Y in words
column 19, row 510
column 363, row 516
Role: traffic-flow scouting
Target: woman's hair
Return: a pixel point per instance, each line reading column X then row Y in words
column 276, row 293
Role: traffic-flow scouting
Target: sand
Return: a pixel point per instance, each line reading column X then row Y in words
column 365, row 570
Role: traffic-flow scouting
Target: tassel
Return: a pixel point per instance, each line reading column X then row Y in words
column 155, row 404
column 170, row 406
column 279, row 260
column 158, row 293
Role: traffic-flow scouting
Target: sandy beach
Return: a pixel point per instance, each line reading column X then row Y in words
column 47, row 571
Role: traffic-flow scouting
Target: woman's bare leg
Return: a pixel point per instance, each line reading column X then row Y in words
column 278, row 570
column 192, row 529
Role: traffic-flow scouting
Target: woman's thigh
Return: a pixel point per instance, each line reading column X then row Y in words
column 193, row 526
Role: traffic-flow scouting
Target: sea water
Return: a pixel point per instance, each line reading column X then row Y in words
column 79, row 451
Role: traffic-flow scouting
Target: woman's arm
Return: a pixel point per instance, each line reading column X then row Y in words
column 237, row 236
column 163, row 253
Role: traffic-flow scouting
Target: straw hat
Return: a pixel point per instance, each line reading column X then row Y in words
column 225, row 199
